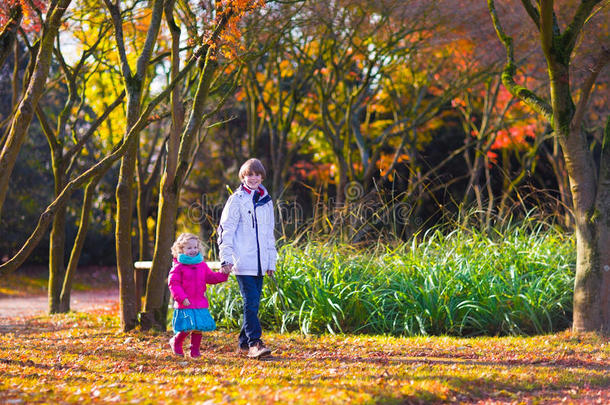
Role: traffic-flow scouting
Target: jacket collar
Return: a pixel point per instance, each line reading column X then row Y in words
column 260, row 189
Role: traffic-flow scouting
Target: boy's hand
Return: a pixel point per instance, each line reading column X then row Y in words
column 186, row 302
column 226, row 269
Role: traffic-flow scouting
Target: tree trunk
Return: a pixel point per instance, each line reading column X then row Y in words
column 77, row 248
column 15, row 82
column 603, row 231
column 155, row 312
column 124, row 218
column 590, row 189
column 8, row 35
column 590, row 280
column 143, row 204
column 57, row 241
column 155, row 305
column 341, row 181
column 25, row 112
column 57, row 246
column 588, row 283
column 134, row 87
column 592, row 216
column 125, row 268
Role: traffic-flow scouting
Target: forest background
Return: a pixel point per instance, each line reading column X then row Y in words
column 377, row 122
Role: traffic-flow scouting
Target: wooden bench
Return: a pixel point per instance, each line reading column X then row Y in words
column 147, row 265
column 141, row 274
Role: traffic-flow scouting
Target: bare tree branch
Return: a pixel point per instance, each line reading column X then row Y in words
column 537, row 103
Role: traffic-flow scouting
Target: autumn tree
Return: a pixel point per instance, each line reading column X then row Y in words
column 24, row 113
column 275, row 83
column 67, row 141
column 87, row 175
column 352, row 46
column 134, row 83
column 496, row 128
column 221, row 31
column 589, row 182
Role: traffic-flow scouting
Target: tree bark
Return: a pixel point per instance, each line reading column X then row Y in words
column 174, row 176
column 154, row 314
column 602, row 205
column 134, row 82
column 155, row 310
column 77, row 248
column 591, row 232
column 8, row 35
column 25, row 111
column 46, row 217
column 57, row 245
column 590, row 188
column 155, row 307
column 146, row 183
column 124, row 198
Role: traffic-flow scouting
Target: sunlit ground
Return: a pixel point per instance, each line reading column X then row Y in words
column 85, row 358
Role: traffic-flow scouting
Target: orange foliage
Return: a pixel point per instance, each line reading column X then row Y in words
column 304, row 170
column 514, row 137
column 231, row 38
column 522, row 125
column 385, row 161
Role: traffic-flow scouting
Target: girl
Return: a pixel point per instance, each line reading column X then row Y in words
column 187, row 284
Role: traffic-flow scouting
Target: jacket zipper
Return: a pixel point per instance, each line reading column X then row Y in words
column 258, row 248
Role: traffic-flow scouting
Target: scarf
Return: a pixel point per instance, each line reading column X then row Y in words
column 186, row 259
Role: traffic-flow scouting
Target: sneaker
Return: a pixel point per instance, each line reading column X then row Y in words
column 242, row 349
column 258, row 350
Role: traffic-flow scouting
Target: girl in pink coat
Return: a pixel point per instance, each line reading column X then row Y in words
column 187, row 283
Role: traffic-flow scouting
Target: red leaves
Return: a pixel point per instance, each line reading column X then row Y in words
column 30, row 9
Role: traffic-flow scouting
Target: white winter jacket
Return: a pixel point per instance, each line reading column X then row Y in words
column 245, row 233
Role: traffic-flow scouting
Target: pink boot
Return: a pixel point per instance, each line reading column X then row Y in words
column 176, row 343
column 195, row 344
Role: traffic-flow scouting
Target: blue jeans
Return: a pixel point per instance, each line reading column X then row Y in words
column 250, row 288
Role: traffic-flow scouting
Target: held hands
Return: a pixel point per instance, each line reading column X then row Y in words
column 186, row 302
column 226, row 269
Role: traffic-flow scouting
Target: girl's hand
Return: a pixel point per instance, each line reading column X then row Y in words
column 270, row 273
column 226, row 269
column 186, row 302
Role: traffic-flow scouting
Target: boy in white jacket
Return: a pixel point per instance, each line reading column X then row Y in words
column 247, row 246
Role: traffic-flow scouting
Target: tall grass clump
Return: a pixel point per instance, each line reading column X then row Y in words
column 514, row 280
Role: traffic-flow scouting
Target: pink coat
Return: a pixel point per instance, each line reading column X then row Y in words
column 189, row 281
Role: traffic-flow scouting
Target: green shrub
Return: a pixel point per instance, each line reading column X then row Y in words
column 516, row 280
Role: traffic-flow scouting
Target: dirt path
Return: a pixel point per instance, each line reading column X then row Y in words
column 82, row 301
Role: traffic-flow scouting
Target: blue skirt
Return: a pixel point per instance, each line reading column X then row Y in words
column 188, row 319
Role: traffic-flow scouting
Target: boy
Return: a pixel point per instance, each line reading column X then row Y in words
column 247, row 246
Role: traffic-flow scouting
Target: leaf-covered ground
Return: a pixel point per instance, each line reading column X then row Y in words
column 33, row 281
column 83, row 357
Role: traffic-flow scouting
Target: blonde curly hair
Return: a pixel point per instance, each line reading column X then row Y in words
column 181, row 240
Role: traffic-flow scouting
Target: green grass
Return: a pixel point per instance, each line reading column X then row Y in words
column 515, row 280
